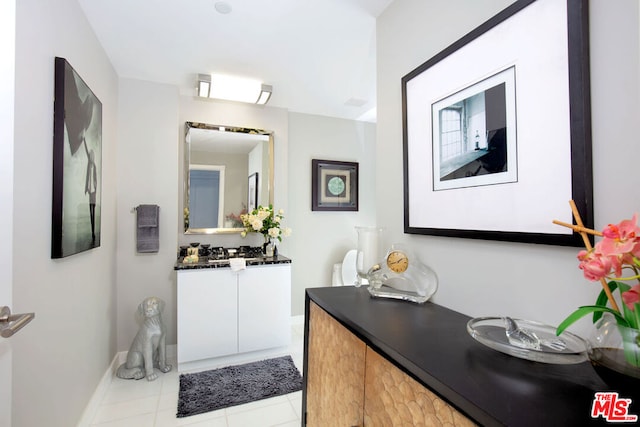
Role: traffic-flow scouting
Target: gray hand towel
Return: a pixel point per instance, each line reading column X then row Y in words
column 148, row 228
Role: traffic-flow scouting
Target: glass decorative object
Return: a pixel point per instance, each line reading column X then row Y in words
column 368, row 252
column 527, row 339
column 274, row 247
column 401, row 275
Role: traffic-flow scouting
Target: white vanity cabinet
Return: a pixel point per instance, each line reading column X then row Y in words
column 222, row 312
column 207, row 313
column 264, row 307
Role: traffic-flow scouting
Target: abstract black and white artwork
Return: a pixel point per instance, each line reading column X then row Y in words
column 77, row 164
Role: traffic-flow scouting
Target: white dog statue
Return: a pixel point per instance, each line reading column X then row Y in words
column 148, row 349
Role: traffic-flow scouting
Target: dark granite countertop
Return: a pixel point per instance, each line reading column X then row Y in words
column 205, row 263
column 430, row 343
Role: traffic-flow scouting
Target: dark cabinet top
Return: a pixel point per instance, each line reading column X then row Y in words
column 225, row 263
column 431, row 344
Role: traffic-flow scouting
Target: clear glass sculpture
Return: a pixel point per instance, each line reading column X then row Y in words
column 401, row 275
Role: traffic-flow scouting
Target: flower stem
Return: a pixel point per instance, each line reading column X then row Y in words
column 627, row 278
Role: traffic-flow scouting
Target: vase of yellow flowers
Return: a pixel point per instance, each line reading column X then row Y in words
column 614, row 262
column 266, row 221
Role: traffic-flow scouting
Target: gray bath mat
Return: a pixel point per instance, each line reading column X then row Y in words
column 234, row 385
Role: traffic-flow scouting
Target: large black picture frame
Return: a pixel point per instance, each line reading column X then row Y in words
column 552, row 128
column 77, row 164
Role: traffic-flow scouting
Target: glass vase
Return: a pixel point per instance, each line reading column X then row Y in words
column 614, row 351
column 368, row 252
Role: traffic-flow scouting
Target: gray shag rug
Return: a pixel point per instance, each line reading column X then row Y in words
column 234, row 385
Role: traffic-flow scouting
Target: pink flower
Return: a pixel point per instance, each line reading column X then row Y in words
column 620, row 243
column 620, row 239
column 631, row 297
column 594, row 265
column 619, row 261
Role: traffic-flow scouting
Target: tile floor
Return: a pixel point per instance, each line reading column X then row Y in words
column 130, row 403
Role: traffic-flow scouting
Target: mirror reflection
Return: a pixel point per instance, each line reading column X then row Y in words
column 228, row 171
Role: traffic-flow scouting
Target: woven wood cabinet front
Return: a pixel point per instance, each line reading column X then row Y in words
column 393, row 398
column 335, row 373
column 349, row 384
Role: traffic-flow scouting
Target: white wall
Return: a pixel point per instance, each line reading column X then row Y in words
column 147, row 165
column 61, row 355
column 321, row 239
column 484, row 278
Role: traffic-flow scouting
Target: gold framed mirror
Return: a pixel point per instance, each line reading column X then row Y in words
column 228, row 170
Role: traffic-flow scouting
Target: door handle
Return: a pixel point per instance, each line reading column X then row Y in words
column 12, row 323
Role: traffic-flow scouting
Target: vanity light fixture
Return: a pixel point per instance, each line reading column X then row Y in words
column 204, row 85
column 233, row 88
column 265, row 94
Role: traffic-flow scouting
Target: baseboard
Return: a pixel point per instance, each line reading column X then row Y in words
column 96, row 399
column 103, row 386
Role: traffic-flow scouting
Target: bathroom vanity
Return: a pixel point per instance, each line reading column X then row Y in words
column 222, row 312
column 372, row 361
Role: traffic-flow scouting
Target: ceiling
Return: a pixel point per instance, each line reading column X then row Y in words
column 319, row 55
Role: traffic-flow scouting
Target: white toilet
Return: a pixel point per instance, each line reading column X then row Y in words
column 345, row 273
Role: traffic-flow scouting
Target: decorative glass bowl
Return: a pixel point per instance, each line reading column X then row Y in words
column 564, row 349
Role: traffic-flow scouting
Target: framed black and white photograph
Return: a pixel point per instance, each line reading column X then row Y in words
column 496, row 129
column 77, row 164
column 334, row 185
column 474, row 134
column 252, row 195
